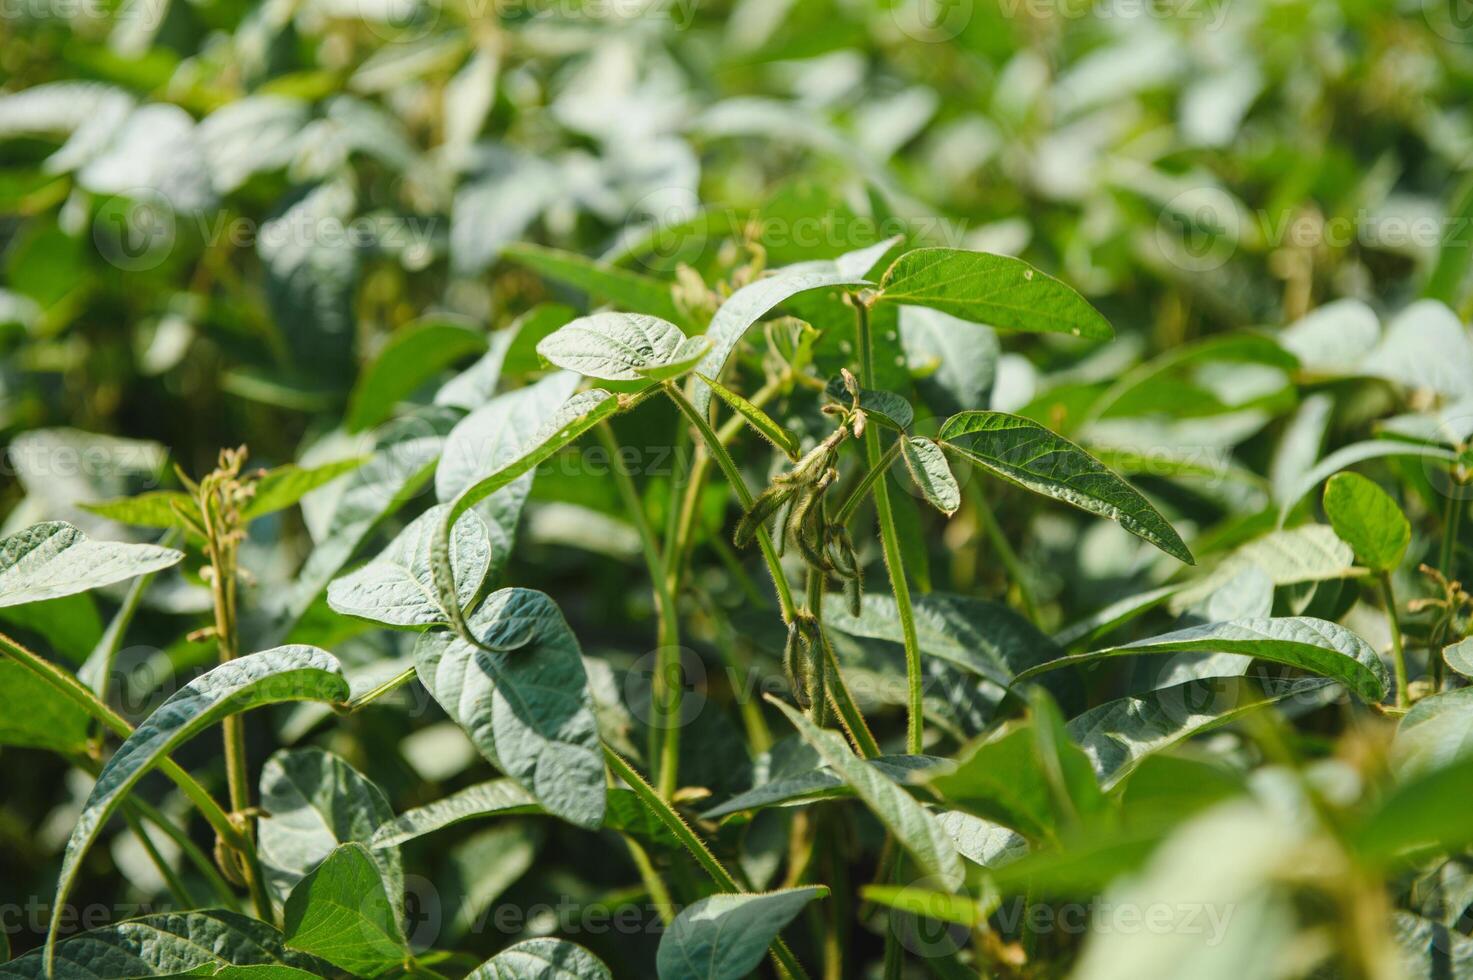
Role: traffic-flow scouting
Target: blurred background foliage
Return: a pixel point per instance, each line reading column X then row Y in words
column 225, row 222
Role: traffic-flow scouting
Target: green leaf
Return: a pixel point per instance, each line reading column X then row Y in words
column 397, row 587
column 621, row 287
column 199, row 943
column 515, row 453
column 522, row 695
column 765, row 425
column 341, row 913
column 1315, row 645
column 499, row 796
column 1459, row 656
column 932, row 473
column 725, row 937
column 414, row 354
column 819, row 783
column 914, row 827
column 542, row 959
column 1435, row 732
column 1023, row 452
column 153, row 508
column 280, row 487
column 315, row 802
column 938, row 906
column 682, row 362
column 748, row 305
column 54, row 559
column 1367, row 519
column 1005, row 777
column 1118, row 735
column 289, row 673
column 33, row 714
column 996, row 290
column 622, row 347
column 986, row 638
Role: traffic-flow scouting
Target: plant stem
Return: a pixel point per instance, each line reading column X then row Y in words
column 849, row 714
column 666, row 689
column 79, row 694
column 653, row 883
column 171, row 878
column 890, row 544
column 386, row 688
column 734, row 477
column 1447, row 560
column 1398, row 655
column 673, row 822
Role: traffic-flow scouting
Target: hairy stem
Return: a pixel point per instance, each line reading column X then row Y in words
column 890, row 544
column 383, row 690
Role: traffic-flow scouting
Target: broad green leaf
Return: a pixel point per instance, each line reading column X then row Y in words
column 414, row 354
column 1024, row 452
column 682, row 362
column 397, row 587
column 996, row 290
column 1315, row 645
column 152, row 508
column 47, row 561
column 522, row 695
column 748, row 305
column 820, row 783
column 497, row 431
column 982, row 842
column 1459, row 656
column 999, row 778
column 620, row 346
column 290, row 673
column 1119, row 734
column 725, row 937
column 986, row 638
column 280, row 487
column 914, row 827
column 938, row 906
column 621, row 287
column 1366, row 518
column 315, row 802
column 1334, row 338
column 341, row 913
column 932, row 473
column 516, row 453
column 499, row 796
column 199, row 943
column 1435, row 733
column 765, row 425
column 1426, row 346
column 542, row 959
column 34, row 715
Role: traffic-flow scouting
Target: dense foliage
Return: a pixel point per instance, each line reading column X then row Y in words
column 839, row 488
